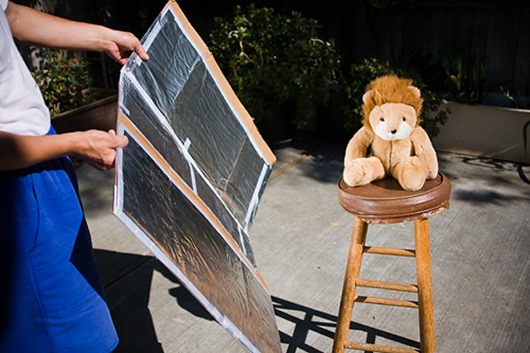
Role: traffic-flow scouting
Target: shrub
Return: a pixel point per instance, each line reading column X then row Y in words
column 465, row 77
column 271, row 58
column 63, row 81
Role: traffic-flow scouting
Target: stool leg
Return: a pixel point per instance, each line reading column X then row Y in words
column 425, row 293
column 353, row 270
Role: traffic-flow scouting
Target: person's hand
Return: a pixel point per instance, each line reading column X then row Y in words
column 98, row 148
column 122, row 44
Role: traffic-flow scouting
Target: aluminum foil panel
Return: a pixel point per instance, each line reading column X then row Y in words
column 189, row 183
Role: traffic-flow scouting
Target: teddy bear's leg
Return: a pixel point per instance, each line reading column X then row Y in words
column 362, row 171
column 410, row 173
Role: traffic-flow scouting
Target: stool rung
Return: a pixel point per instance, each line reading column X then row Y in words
column 386, row 301
column 377, row 348
column 389, row 251
column 402, row 287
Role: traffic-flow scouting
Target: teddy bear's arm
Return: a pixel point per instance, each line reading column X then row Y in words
column 425, row 151
column 358, row 145
column 359, row 169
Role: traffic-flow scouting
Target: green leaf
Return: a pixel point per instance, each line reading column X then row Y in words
column 525, row 134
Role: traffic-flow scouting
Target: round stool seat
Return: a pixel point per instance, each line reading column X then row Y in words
column 384, row 201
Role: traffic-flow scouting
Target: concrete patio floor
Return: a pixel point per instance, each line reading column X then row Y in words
column 480, row 252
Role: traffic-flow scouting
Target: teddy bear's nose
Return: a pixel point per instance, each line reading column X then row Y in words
column 393, row 132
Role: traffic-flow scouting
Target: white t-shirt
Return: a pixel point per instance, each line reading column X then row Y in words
column 22, row 108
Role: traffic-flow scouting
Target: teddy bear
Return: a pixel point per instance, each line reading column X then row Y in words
column 391, row 142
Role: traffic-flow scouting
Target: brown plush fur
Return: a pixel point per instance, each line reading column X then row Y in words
column 391, row 142
column 390, row 89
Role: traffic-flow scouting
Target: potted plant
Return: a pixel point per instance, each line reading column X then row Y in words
column 465, row 77
column 482, row 123
column 65, row 84
column 434, row 113
column 278, row 65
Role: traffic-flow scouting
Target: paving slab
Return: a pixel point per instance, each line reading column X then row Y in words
column 480, row 247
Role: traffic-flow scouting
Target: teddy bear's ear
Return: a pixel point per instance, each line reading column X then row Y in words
column 372, row 97
column 415, row 91
column 367, row 96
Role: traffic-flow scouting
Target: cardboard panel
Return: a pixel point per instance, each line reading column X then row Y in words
column 188, row 184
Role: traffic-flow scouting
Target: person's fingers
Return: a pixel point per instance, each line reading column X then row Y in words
column 136, row 46
column 121, row 141
column 140, row 50
column 130, row 43
column 122, row 44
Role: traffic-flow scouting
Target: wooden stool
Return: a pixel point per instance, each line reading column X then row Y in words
column 383, row 202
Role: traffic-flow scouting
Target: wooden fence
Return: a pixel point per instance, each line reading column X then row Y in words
column 496, row 31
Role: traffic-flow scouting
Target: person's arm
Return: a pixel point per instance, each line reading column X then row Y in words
column 35, row 27
column 98, row 148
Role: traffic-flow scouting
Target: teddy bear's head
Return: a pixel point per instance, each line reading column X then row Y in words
column 391, row 107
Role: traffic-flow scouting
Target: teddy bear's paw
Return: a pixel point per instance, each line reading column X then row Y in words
column 412, row 176
column 359, row 172
column 354, row 176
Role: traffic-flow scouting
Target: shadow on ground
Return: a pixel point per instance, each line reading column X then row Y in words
column 134, row 323
column 129, row 308
column 307, row 320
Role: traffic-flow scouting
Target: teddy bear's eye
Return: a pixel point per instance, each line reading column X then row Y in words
column 382, row 119
column 404, row 119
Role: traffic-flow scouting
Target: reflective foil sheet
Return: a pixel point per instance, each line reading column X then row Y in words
column 189, row 183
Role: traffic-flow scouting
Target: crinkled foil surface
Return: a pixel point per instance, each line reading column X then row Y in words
column 188, row 184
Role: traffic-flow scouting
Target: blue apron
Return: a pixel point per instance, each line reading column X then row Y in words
column 51, row 294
